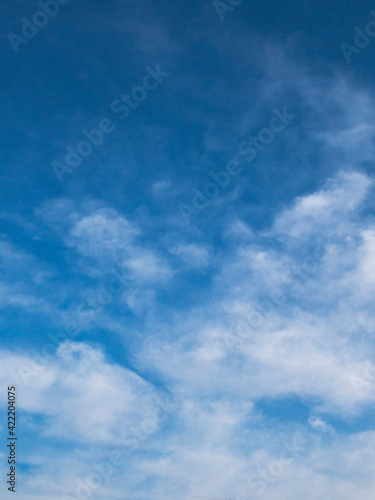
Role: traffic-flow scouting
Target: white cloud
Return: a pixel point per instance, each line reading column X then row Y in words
column 81, row 396
column 316, row 344
column 194, row 256
column 112, row 240
column 303, row 343
column 103, row 233
column 326, row 210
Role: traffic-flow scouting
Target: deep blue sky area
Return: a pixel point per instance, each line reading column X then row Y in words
column 65, row 78
column 187, row 244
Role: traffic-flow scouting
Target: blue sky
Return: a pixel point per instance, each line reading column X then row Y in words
column 188, row 311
